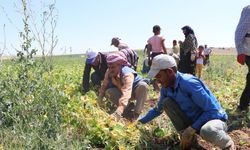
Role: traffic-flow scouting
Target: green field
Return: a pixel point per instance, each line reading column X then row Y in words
column 42, row 107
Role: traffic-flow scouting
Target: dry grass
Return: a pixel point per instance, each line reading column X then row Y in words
column 224, row 51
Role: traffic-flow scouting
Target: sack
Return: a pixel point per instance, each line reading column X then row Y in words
column 132, row 57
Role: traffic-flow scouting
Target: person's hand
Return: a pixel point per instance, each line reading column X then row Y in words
column 138, row 123
column 116, row 115
column 192, row 57
column 187, row 137
column 149, row 62
column 100, row 102
column 241, row 59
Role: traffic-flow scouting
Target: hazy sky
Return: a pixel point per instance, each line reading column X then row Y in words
column 84, row 24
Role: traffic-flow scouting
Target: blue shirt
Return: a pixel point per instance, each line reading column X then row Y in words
column 242, row 29
column 194, row 99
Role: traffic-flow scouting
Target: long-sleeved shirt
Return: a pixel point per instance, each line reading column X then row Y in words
column 194, row 99
column 242, row 42
column 190, row 44
column 100, row 69
column 125, row 82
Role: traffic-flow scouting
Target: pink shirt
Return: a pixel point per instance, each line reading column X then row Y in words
column 155, row 41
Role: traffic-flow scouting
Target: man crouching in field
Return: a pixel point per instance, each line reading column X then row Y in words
column 122, row 84
column 189, row 104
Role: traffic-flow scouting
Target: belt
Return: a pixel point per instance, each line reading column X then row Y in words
column 247, row 35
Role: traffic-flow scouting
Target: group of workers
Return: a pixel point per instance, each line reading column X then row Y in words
column 189, row 104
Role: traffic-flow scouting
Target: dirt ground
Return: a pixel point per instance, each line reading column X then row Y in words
column 240, row 137
column 224, row 51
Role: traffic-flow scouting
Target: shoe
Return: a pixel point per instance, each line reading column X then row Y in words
column 231, row 147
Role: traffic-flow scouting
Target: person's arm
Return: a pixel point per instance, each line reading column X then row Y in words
column 85, row 78
column 126, row 91
column 210, row 51
column 163, row 46
column 104, row 85
column 149, row 49
column 203, row 55
column 153, row 112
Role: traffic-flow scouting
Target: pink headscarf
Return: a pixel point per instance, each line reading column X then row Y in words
column 117, row 58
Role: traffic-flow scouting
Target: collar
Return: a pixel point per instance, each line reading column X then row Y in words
column 178, row 76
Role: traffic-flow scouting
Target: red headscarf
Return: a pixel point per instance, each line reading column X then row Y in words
column 117, row 58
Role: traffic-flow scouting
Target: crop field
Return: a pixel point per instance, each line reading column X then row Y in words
column 42, row 107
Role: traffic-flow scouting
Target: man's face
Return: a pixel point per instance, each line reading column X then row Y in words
column 184, row 31
column 166, row 78
column 114, row 69
column 97, row 61
column 115, row 42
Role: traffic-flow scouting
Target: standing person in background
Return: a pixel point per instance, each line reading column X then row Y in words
column 156, row 47
column 175, row 48
column 200, row 57
column 188, row 51
column 131, row 55
column 242, row 43
column 118, row 43
column 156, row 43
column 207, row 52
column 97, row 61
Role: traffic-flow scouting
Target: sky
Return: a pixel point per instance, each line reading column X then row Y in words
column 91, row 24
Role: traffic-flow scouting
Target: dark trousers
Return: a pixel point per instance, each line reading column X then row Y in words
column 213, row 131
column 245, row 97
column 185, row 64
column 145, row 68
column 206, row 60
column 177, row 117
column 95, row 78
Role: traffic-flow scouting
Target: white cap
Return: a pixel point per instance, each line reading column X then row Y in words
column 91, row 55
column 161, row 62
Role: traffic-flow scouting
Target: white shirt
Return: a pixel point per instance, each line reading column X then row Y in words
column 242, row 43
column 207, row 51
column 199, row 60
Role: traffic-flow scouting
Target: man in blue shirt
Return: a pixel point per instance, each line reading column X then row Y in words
column 190, row 105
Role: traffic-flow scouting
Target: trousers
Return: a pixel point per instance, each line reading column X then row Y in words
column 213, row 131
column 245, row 96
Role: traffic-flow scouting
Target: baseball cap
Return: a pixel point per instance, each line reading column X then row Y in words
column 91, row 55
column 115, row 40
column 161, row 62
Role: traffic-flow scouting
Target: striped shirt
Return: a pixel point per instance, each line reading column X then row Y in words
column 241, row 42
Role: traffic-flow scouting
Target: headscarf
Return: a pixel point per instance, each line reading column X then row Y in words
column 117, row 58
column 188, row 30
